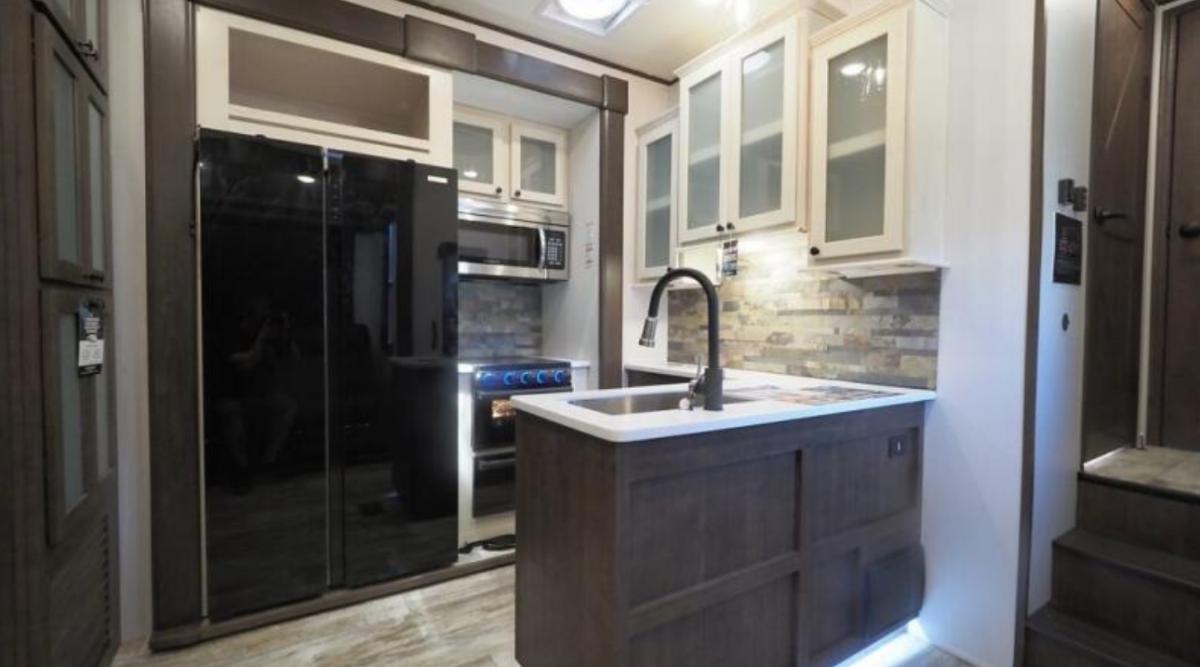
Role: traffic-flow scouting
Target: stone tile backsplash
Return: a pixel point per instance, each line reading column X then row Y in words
column 881, row 330
column 498, row 318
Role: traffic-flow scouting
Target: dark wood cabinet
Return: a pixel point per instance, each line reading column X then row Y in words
column 85, row 24
column 80, row 483
column 72, row 157
column 779, row 545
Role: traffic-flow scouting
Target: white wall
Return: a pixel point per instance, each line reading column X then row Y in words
column 973, row 437
column 571, row 310
column 128, row 173
column 1070, row 39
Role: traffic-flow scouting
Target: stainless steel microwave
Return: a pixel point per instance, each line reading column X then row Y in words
column 511, row 241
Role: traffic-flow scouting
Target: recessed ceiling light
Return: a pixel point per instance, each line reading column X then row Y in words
column 306, row 179
column 591, row 10
column 599, row 17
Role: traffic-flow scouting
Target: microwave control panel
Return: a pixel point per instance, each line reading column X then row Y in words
column 556, row 250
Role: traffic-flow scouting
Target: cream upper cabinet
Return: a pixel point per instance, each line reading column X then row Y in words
column 658, row 184
column 878, row 138
column 538, row 164
column 254, row 77
column 739, row 119
column 481, row 152
column 509, row 158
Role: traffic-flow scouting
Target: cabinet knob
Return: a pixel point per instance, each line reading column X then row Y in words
column 814, row 251
column 720, row 228
column 499, row 190
column 729, row 226
column 516, row 193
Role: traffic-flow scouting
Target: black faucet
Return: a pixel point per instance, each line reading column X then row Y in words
column 711, row 385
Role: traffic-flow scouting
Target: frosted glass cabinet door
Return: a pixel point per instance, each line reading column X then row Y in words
column 72, row 154
column 704, row 165
column 858, row 140
column 765, row 116
column 538, row 164
column 481, row 153
column 657, row 181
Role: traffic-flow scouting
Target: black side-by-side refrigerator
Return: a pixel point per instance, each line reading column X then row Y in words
column 329, row 327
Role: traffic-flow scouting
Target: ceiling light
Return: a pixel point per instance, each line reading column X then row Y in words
column 591, row 10
column 880, row 76
column 306, row 179
column 852, row 70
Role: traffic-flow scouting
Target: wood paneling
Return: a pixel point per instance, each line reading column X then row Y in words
column 329, row 18
column 22, row 533
column 799, row 541
column 440, row 45
column 171, row 322
column 537, row 74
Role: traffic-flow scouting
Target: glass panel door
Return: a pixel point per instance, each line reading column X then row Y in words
column 538, row 164
column 766, row 118
column 857, row 146
column 657, row 187
column 703, row 205
column 67, row 233
column 858, row 140
column 481, row 153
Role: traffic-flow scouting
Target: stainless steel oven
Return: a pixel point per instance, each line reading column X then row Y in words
column 493, row 423
column 518, row 242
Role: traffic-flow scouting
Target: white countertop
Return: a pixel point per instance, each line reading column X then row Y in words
column 558, row 408
column 464, row 367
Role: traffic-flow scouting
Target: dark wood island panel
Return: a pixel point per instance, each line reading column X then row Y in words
column 789, row 544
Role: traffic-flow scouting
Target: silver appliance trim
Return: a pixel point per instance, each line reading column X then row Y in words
column 507, row 271
column 500, row 211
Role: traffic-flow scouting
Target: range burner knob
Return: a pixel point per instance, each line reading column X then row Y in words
column 510, row 378
column 526, row 377
column 541, row 377
column 486, row 378
column 560, row 376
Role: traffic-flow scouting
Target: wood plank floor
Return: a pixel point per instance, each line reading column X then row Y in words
column 467, row 622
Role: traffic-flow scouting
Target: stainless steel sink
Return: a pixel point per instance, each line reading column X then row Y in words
column 638, row 403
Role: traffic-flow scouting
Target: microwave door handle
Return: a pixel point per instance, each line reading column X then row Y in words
column 542, row 248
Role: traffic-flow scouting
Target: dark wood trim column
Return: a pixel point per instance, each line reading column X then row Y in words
column 1033, row 309
column 172, row 323
column 612, row 231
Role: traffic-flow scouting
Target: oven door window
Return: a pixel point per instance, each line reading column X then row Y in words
column 495, row 243
column 495, row 422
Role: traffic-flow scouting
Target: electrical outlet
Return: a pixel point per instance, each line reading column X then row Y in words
column 897, row 446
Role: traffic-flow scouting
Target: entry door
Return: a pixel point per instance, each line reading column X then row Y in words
column 1115, row 236
column 1181, row 349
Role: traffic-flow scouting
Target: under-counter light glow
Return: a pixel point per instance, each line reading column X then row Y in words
column 591, row 10
column 897, row 650
column 306, row 179
column 852, row 70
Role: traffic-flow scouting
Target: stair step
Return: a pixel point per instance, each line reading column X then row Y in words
column 1061, row 640
column 1145, row 516
column 1182, row 572
column 1148, row 596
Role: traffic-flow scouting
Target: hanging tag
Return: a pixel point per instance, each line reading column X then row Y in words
column 729, row 258
column 90, row 332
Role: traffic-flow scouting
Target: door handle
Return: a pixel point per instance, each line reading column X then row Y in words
column 1189, row 230
column 1102, row 215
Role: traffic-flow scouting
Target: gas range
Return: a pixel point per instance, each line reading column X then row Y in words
column 519, row 374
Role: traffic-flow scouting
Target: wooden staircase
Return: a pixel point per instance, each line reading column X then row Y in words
column 1126, row 582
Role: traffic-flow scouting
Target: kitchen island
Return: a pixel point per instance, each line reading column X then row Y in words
column 783, row 530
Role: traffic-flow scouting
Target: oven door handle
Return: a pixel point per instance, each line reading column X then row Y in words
column 488, row 465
